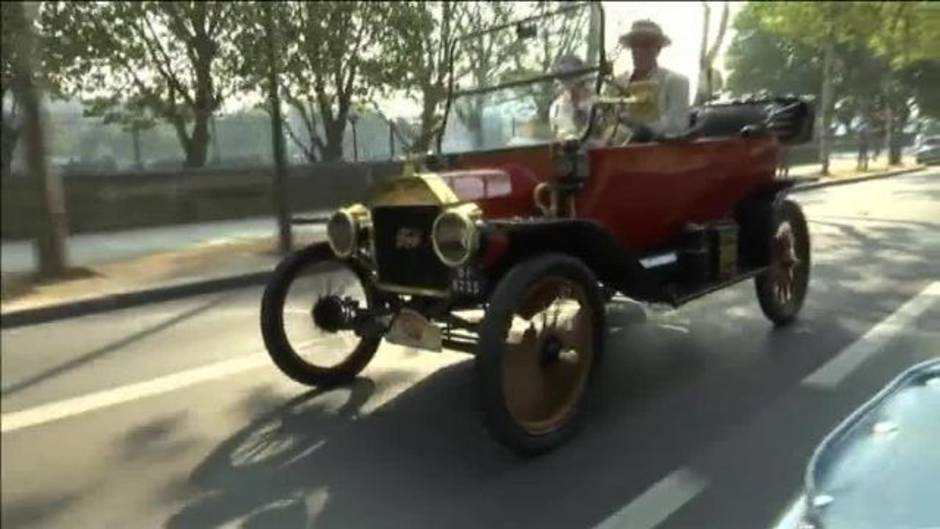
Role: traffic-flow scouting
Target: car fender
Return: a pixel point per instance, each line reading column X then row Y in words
column 754, row 215
column 584, row 239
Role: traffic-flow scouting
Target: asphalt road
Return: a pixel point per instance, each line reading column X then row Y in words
column 170, row 415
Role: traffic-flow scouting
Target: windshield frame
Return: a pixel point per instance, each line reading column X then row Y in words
column 601, row 68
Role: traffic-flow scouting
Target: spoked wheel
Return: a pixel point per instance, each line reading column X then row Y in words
column 312, row 318
column 781, row 290
column 540, row 342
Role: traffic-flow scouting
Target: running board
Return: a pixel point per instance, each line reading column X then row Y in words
column 677, row 299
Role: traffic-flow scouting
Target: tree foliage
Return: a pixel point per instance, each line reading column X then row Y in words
column 884, row 57
column 502, row 56
column 136, row 61
column 557, row 35
column 426, row 31
column 761, row 60
column 334, row 56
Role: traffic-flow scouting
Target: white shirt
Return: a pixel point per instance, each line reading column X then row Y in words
column 672, row 99
column 562, row 113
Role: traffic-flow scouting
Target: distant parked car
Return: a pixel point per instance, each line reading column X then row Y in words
column 927, row 150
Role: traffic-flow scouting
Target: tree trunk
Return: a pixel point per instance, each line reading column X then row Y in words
column 889, row 124
column 423, row 142
column 825, row 119
column 198, row 148
column 895, row 147
column 11, row 136
column 53, row 226
column 135, row 139
column 216, row 153
column 863, row 136
column 333, row 150
column 277, row 139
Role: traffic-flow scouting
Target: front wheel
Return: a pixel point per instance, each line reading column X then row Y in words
column 540, row 342
column 309, row 312
column 781, row 290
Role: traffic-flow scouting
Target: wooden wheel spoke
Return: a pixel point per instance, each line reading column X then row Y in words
column 547, row 355
column 523, row 383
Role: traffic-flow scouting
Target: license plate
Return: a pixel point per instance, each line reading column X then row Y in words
column 411, row 329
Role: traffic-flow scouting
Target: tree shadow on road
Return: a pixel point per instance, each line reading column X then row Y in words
column 100, row 352
column 424, row 458
column 36, row 512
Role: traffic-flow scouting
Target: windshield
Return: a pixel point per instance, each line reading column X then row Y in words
column 524, row 83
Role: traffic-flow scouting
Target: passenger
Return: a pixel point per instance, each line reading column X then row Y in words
column 667, row 112
column 571, row 110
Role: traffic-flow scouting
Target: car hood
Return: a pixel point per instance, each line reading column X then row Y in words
column 485, row 187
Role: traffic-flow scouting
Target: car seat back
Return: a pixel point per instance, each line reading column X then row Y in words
column 790, row 119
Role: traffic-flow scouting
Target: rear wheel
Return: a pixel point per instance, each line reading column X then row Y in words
column 540, row 342
column 308, row 314
column 781, row 290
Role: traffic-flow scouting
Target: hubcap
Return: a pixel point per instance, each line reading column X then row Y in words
column 549, row 353
column 317, row 311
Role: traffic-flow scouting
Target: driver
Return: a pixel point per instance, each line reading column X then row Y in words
column 571, row 110
column 667, row 112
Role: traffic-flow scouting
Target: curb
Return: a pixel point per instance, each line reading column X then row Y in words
column 856, row 179
column 21, row 318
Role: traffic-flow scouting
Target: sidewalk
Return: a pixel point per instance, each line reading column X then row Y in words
column 191, row 262
column 841, row 167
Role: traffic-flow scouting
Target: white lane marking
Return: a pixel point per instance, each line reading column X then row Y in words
column 658, row 502
column 10, row 422
column 837, row 369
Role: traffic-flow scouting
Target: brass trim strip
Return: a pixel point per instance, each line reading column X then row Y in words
column 414, row 291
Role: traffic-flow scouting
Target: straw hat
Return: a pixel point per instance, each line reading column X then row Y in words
column 645, row 29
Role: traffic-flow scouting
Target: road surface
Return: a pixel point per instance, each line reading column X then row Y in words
column 170, row 415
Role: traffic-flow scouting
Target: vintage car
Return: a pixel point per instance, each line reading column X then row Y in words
column 508, row 241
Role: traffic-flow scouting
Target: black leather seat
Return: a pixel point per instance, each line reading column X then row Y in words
column 727, row 120
column 788, row 118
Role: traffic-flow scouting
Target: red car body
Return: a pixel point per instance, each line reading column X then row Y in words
column 643, row 194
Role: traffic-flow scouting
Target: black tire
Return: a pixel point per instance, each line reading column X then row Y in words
column 768, row 284
column 275, row 336
column 493, row 348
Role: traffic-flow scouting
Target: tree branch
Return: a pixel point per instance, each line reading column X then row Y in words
column 176, row 21
column 301, row 109
column 147, row 93
column 308, row 153
column 167, row 71
column 215, row 22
